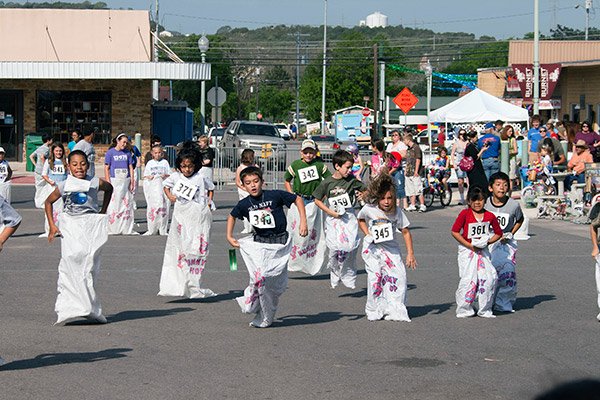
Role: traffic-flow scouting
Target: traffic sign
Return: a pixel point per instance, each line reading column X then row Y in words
column 366, row 112
column 406, row 100
column 216, row 96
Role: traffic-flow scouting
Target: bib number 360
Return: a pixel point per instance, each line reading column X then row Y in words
column 262, row 219
column 382, row 233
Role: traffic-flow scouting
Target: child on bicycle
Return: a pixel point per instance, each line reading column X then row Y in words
column 440, row 167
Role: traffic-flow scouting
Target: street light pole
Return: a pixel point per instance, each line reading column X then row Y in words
column 428, row 70
column 536, row 57
column 324, row 70
column 203, row 44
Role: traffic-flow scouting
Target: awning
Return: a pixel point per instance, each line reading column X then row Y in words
column 104, row 70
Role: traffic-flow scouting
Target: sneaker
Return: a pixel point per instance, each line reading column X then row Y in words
column 411, row 208
column 422, row 208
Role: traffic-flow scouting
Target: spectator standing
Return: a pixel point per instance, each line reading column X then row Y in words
column 399, row 147
column 490, row 158
column 75, row 137
column 591, row 138
column 533, row 135
column 441, row 138
column 477, row 174
column 457, row 153
column 412, row 173
column 508, row 133
column 87, row 147
column 498, row 126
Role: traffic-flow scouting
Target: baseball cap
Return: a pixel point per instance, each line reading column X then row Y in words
column 489, row 125
column 308, row 144
column 2, row 150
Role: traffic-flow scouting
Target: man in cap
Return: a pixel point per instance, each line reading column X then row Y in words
column 576, row 164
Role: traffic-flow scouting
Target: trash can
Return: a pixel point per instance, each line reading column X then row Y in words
column 32, row 143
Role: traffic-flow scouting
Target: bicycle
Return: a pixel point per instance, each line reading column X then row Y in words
column 435, row 188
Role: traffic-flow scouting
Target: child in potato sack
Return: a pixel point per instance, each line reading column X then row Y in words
column 246, row 160
column 186, row 250
column 386, row 274
column 474, row 229
column 340, row 191
column 5, row 176
column 157, row 204
column 53, row 171
column 267, row 252
column 84, row 230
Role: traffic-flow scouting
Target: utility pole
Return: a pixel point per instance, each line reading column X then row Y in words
column 155, row 84
column 297, row 119
column 536, row 57
column 588, row 5
column 375, row 129
column 382, row 98
column 323, row 92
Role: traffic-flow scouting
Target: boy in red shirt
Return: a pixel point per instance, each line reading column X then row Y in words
column 474, row 229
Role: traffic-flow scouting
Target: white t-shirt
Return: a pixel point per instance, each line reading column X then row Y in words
column 373, row 216
column 154, row 168
column 3, row 171
column 399, row 147
column 199, row 184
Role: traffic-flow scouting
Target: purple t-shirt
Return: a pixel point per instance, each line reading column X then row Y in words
column 119, row 162
column 589, row 139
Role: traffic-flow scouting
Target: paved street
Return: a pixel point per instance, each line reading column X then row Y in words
column 321, row 345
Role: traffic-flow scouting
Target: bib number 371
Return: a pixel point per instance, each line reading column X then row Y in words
column 185, row 190
column 262, row 219
column 382, row 233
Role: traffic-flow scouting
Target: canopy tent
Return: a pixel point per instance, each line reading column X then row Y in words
column 479, row 106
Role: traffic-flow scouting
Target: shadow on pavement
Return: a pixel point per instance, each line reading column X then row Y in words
column 232, row 294
column 34, row 234
column 421, row 311
column 48, row 360
column 363, row 292
column 527, row 303
column 320, row 277
column 320, row 318
column 142, row 314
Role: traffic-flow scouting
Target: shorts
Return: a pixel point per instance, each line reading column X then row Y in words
column 460, row 174
column 278, row 238
column 413, row 186
column 512, row 168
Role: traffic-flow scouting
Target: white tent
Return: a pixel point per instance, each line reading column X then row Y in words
column 479, row 106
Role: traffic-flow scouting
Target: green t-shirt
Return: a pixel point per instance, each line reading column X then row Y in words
column 306, row 177
column 331, row 187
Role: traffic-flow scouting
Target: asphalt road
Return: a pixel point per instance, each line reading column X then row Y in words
column 320, row 347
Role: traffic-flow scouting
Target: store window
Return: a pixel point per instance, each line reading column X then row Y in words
column 61, row 112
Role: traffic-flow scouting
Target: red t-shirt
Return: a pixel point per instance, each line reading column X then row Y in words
column 472, row 228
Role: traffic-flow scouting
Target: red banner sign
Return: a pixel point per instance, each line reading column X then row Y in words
column 549, row 74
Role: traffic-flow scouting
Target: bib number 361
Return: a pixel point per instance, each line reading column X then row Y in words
column 382, row 233
column 262, row 219
column 477, row 230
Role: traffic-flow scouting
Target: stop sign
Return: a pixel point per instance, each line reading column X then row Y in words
column 259, row 116
column 366, row 112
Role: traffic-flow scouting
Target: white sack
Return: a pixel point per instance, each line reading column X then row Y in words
column 57, row 209
column 157, row 206
column 42, row 190
column 83, row 237
column 386, row 282
column 186, row 252
column 477, row 281
column 267, row 268
column 504, row 261
column 598, row 281
column 5, row 191
column 309, row 253
column 120, row 208
column 341, row 235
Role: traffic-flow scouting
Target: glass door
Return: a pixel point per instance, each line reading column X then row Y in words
column 11, row 123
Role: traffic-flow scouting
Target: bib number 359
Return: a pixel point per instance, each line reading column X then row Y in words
column 342, row 201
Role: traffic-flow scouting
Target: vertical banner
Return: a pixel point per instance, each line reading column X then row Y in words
column 549, row 74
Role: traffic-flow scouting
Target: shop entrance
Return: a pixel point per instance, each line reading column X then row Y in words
column 11, row 123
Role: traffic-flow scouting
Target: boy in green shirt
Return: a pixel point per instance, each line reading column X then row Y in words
column 303, row 176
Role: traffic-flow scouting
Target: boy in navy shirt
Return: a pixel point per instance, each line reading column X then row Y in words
column 265, row 254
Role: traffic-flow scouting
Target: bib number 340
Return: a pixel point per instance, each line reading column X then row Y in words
column 262, row 219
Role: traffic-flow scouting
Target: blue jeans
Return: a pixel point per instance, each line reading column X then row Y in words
column 579, row 178
column 491, row 165
column 399, row 178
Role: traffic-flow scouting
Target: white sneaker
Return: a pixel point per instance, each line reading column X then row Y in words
column 411, row 208
column 422, row 208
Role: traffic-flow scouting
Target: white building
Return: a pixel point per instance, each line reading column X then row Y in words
column 375, row 20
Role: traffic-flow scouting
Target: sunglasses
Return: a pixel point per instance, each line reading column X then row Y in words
column 585, row 126
column 543, row 130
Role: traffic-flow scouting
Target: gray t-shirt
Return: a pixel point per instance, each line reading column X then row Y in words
column 558, row 149
column 332, row 187
column 42, row 151
column 78, row 203
column 8, row 216
column 507, row 215
column 89, row 150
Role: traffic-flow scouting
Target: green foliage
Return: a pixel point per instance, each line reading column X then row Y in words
column 274, row 103
column 486, row 55
column 565, row 33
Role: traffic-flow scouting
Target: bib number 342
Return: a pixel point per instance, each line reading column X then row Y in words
column 308, row 174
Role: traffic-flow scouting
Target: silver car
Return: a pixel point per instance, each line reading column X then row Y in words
column 262, row 137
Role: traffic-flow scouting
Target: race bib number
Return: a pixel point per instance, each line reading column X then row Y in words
column 121, row 173
column 3, row 170
column 262, row 219
column 185, row 189
column 502, row 219
column 341, row 201
column 308, row 174
column 478, row 229
column 382, row 232
column 58, row 170
column 158, row 171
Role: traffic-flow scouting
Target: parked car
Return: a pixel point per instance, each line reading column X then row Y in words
column 262, row 137
column 215, row 135
column 284, row 131
column 327, row 145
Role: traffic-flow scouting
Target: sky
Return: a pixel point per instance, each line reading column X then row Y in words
column 501, row 19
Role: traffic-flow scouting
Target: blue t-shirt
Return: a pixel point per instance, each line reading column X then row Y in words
column 119, row 162
column 534, row 137
column 493, row 150
column 271, row 200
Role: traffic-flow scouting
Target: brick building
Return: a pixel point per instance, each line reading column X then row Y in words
column 62, row 70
